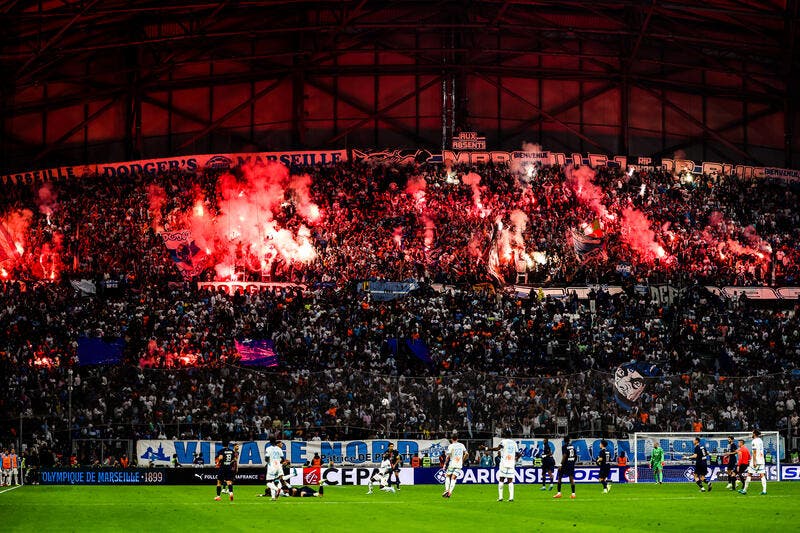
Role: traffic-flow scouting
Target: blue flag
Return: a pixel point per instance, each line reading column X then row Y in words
column 257, row 352
column 93, row 351
column 417, row 348
column 420, row 350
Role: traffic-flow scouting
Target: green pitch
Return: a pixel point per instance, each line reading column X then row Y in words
column 473, row 508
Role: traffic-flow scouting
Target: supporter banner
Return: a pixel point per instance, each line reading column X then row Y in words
column 525, row 475
column 396, row 157
column 251, row 453
column 184, row 252
column 387, row 290
column 788, row 293
column 345, row 476
column 451, row 157
column 786, row 174
column 631, row 380
column 519, row 159
column 468, row 140
column 232, row 287
column 104, row 476
column 665, row 294
column 191, row 163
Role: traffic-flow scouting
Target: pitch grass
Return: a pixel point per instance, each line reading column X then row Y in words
column 473, row 508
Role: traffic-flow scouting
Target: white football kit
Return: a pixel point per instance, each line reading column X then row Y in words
column 508, row 458
column 456, row 452
column 274, row 456
column 758, row 461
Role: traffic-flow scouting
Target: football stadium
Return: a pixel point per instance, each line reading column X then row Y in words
column 399, row 265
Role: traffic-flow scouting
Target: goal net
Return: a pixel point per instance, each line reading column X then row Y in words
column 678, row 445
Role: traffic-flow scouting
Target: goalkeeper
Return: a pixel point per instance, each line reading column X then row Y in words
column 657, row 463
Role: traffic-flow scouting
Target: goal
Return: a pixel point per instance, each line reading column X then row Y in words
column 677, row 445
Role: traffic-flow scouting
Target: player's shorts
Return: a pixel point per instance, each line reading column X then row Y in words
column 225, row 473
column 548, row 465
column 273, row 474
column 742, row 469
column 656, row 467
column 758, row 470
column 506, row 472
column 453, row 471
column 701, row 470
column 566, row 470
column 605, row 472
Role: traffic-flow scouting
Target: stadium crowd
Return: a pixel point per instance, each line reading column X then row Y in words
column 495, row 360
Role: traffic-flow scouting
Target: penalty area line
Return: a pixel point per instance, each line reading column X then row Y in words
column 10, row 489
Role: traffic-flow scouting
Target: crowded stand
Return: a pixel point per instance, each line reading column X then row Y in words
column 97, row 259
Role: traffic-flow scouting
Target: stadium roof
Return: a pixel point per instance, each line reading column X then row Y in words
column 95, row 81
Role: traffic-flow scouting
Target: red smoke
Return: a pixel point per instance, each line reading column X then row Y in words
column 253, row 226
column 636, row 233
column 581, row 181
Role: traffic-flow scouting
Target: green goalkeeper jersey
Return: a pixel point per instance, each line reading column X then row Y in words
column 657, row 458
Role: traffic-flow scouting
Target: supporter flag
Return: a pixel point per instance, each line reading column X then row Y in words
column 8, row 249
column 631, row 380
column 257, row 352
column 94, row 351
column 420, row 350
column 585, row 246
column 86, row 286
column 413, row 347
column 187, row 255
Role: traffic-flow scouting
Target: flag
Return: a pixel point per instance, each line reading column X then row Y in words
column 188, row 257
column 8, row 248
column 420, row 350
column 631, row 381
column 93, row 351
column 257, row 352
column 86, row 286
column 414, row 347
column 585, row 246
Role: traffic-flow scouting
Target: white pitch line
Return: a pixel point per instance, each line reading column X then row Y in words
column 10, row 489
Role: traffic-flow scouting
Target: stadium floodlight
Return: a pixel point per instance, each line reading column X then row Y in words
column 677, row 445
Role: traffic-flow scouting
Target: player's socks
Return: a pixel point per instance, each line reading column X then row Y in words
column 499, row 491
column 699, row 483
column 763, row 484
column 219, row 490
column 572, row 486
column 511, row 491
column 230, row 490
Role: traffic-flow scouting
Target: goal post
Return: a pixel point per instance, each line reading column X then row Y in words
column 677, row 445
